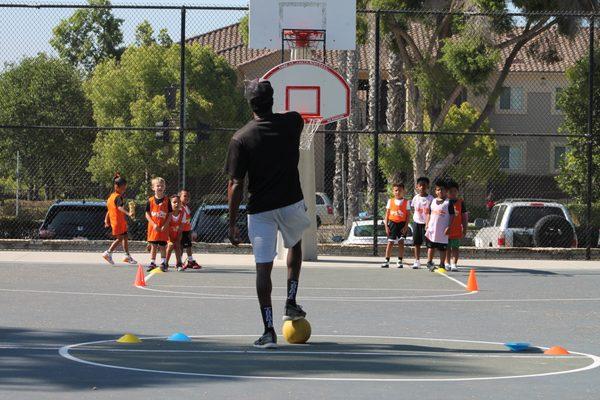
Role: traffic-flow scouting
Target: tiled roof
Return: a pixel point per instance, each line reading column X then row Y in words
column 559, row 52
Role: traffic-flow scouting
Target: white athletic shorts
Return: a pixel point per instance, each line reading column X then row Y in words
column 291, row 221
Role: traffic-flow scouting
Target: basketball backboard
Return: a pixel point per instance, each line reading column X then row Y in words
column 311, row 88
column 268, row 18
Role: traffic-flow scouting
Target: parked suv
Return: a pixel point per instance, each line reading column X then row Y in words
column 75, row 220
column 210, row 224
column 324, row 209
column 526, row 223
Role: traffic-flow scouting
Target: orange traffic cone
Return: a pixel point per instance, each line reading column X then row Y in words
column 472, row 282
column 556, row 351
column 139, row 277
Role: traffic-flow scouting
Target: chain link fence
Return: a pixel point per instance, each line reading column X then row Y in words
column 496, row 101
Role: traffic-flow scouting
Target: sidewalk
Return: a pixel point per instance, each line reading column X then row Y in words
column 237, row 260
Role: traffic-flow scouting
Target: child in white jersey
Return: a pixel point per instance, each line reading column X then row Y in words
column 437, row 225
column 420, row 205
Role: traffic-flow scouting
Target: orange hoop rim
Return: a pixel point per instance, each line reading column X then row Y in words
column 302, row 37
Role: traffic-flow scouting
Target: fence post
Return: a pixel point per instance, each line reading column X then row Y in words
column 590, row 164
column 18, row 176
column 182, row 102
column 376, row 135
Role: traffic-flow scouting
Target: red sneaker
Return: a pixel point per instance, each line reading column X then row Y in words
column 194, row 265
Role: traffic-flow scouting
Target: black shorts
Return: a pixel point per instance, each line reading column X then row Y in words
column 186, row 239
column 158, row 242
column 439, row 246
column 419, row 234
column 396, row 231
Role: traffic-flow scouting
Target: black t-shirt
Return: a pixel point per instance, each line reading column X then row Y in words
column 119, row 201
column 267, row 150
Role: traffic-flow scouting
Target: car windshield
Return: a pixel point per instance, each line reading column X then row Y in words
column 77, row 216
column 527, row 217
column 367, row 231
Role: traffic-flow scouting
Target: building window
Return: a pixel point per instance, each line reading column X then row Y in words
column 511, row 99
column 511, row 157
column 557, row 93
column 559, row 154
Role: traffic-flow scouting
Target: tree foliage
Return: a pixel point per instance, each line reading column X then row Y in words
column 444, row 55
column 574, row 102
column 131, row 92
column 89, row 36
column 45, row 91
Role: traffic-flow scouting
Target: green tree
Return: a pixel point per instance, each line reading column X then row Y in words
column 45, row 91
column 131, row 92
column 89, row 36
column 444, row 55
column 574, row 100
column 479, row 162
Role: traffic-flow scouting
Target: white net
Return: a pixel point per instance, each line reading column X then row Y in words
column 311, row 125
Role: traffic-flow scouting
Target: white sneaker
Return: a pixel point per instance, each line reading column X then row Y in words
column 129, row 260
column 108, row 257
column 399, row 264
column 416, row 265
column 453, row 267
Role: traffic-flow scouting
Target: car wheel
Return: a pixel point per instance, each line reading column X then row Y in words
column 553, row 231
column 318, row 221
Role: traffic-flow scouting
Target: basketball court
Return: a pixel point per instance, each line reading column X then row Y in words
column 374, row 331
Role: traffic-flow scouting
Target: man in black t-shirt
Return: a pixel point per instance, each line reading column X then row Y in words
column 266, row 149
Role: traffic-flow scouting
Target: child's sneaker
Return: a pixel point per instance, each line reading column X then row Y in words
column 129, row 260
column 194, row 265
column 150, row 267
column 180, row 267
column 293, row 312
column 430, row 266
column 108, row 257
column 399, row 264
column 164, row 267
column 442, row 267
column 267, row 341
column 453, row 268
column 386, row 264
column 416, row 265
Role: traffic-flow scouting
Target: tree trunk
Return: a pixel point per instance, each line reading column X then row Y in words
column 367, row 151
column 414, row 122
column 340, row 175
column 352, row 139
column 395, row 103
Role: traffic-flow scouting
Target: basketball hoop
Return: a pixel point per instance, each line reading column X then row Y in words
column 304, row 38
column 303, row 43
column 311, row 125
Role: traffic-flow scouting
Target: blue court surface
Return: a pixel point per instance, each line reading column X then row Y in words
column 376, row 334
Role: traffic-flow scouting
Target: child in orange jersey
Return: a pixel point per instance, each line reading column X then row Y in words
column 175, row 229
column 186, row 235
column 158, row 214
column 396, row 224
column 115, row 219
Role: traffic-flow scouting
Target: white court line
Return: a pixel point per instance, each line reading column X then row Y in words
column 452, row 279
column 343, row 299
column 64, row 352
column 314, row 288
column 332, row 353
column 307, row 298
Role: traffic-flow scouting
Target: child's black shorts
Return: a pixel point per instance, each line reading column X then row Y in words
column 158, row 242
column 396, row 231
column 186, row 239
column 439, row 246
column 418, row 234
